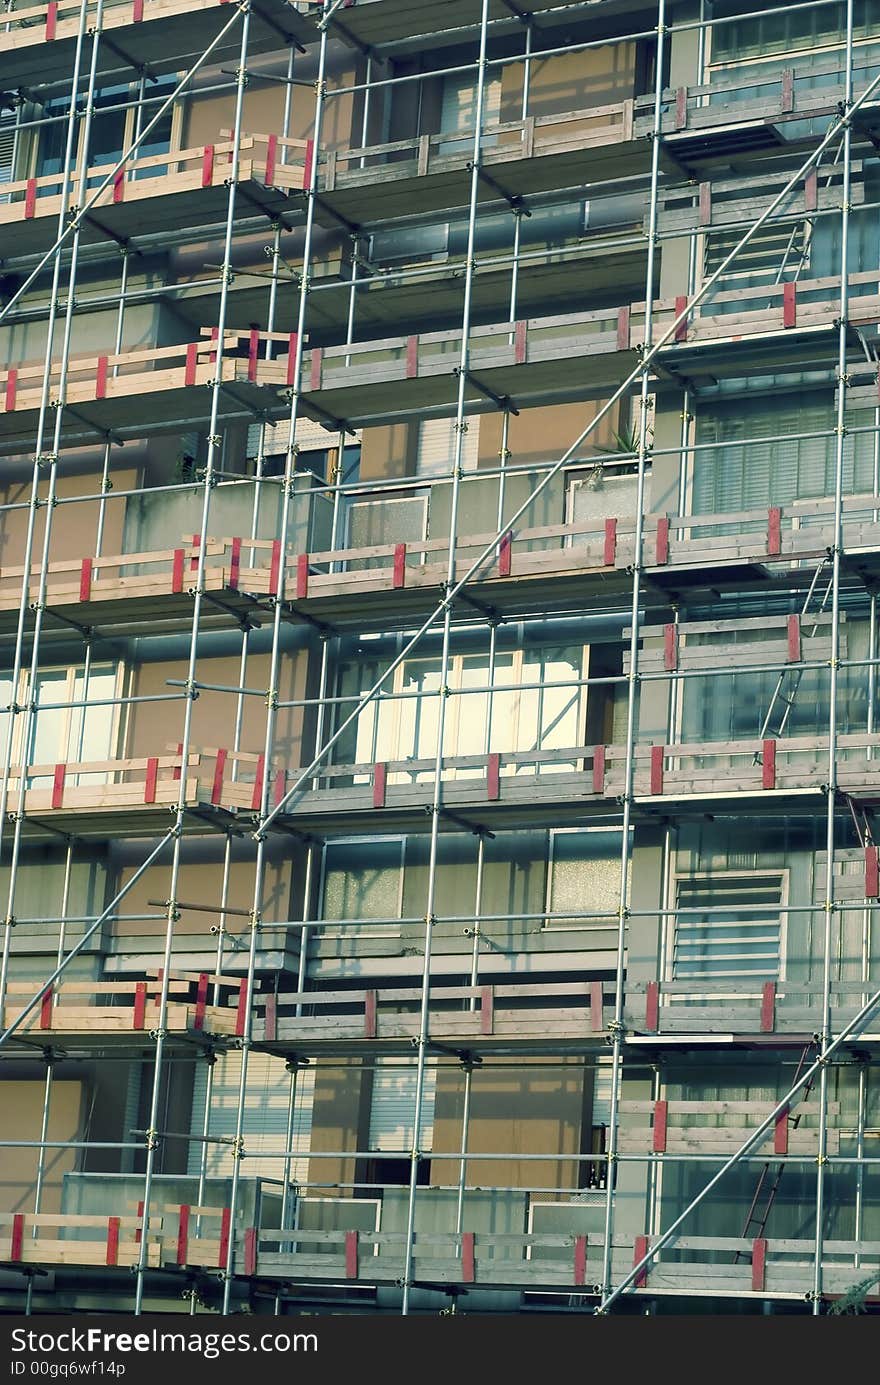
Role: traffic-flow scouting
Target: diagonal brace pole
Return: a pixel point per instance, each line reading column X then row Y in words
column 89, row 933
column 755, row 1138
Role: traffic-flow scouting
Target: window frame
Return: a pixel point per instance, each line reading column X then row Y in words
column 18, row 754
column 128, row 134
column 703, row 985
column 579, row 925
column 454, row 711
column 343, row 929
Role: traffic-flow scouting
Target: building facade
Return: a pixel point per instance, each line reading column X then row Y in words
column 439, row 554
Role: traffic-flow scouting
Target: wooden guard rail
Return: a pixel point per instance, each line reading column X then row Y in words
column 520, row 1011
column 103, row 1008
column 698, row 1264
column 679, row 772
column 788, row 94
column 746, row 1007
column 533, row 136
column 604, row 333
column 172, row 1238
column 796, row 532
column 158, row 175
column 52, row 21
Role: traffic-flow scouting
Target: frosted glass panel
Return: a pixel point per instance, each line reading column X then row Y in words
column 362, row 880
column 585, row 875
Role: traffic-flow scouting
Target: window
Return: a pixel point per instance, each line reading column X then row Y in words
column 113, row 130
column 802, row 28
column 266, row 1115
column 533, row 708
column 363, row 881
column 61, row 732
column 436, row 449
column 8, row 150
column 318, row 450
column 743, row 475
column 603, row 493
column 392, row 1112
column 779, row 251
column 458, row 111
column 735, row 929
column 584, row 876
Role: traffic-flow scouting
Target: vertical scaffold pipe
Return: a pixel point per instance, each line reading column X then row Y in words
column 275, row 656
column 833, row 680
column 437, row 792
column 632, row 683
column 34, row 500
column 213, row 455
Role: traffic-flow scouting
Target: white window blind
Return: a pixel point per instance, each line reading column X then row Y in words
column 436, row 452
column 393, row 1106
column 736, row 930
column 310, row 437
column 265, row 1115
column 741, row 475
column 7, row 148
column 602, row 1092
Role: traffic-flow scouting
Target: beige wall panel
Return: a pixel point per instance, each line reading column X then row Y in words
column 74, row 527
column 143, row 327
column 542, row 435
column 389, row 451
column 207, row 116
column 512, row 1111
column 154, row 726
column 22, row 1103
column 570, row 82
column 200, row 883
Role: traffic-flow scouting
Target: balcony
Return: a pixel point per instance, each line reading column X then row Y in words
column 113, row 1015
column 37, row 42
column 547, row 1017
column 164, row 192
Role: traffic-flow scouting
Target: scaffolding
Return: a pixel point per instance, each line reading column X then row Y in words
column 692, row 174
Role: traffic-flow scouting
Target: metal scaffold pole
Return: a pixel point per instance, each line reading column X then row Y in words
column 834, row 665
column 633, row 679
column 211, row 465
column 266, row 793
column 50, row 1059
column 13, row 737
column 443, row 675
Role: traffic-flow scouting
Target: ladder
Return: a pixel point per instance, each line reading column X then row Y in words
column 796, row 674
column 759, row 1210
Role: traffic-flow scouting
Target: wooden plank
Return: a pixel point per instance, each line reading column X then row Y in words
column 468, row 1273
column 660, row 1128
column 768, row 1007
column 652, row 1007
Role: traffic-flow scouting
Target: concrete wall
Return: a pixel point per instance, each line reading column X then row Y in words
column 25, row 1099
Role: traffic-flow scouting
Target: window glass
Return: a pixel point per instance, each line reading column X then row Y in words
column 362, row 880
column 585, row 875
